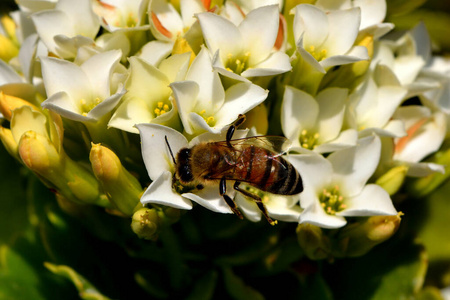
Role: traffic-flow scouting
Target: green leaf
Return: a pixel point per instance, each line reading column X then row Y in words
column 436, row 208
column 204, row 287
column 237, row 288
column 393, row 270
column 85, row 289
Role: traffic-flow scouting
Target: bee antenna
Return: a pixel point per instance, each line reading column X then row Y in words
column 170, row 150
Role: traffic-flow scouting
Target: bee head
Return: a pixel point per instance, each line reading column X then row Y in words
column 184, row 170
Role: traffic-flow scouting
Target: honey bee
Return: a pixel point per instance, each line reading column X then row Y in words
column 255, row 161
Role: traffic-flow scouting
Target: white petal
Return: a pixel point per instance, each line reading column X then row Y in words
column 311, row 23
column 175, row 66
column 259, row 31
column 161, row 192
column 211, row 92
column 358, row 53
column 284, row 208
column 155, row 151
column 299, row 111
column 106, row 105
column 239, row 99
column 353, row 166
column 346, row 139
column 168, row 16
column 185, row 94
column 210, row 198
column 155, row 51
column 315, row 215
column 343, row 30
column 62, row 104
column 248, row 208
column 219, row 33
column 331, row 112
column 310, row 59
column 60, row 75
column 372, row 201
column 131, row 112
column 99, row 69
column 7, row 74
column 188, row 10
column 276, row 63
column 394, row 128
column 81, row 15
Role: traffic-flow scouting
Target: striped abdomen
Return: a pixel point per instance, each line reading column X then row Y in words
column 260, row 168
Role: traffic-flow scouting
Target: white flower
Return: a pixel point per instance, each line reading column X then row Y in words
column 246, row 50
column 204, row 105
column 85, row 92
column 316, row 123
column 167, row 24
column 326, row 39
column 69, row 26
column 425, row 133
column 160, row 167
column 121, row 14
column 373, row 103
column 336, row 187
column 149, row 97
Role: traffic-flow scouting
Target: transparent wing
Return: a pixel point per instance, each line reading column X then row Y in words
column 277, row 144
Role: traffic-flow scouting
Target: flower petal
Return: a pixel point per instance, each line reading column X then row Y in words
column 357, row 53
column 219, row 33
column 331, row 112
column 210, row 198
column 276, row 63
column 161, row 192
column 315, row 215
column 353, row 166
column 259, row 31
column 155, row 152
column 372, row 201
column 185, row 94
column 62, row 104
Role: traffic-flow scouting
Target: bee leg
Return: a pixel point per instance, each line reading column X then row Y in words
column 232, row 128
column 228, row 200
column 258, row 202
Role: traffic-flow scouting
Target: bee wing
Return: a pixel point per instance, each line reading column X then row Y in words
column 277, row 144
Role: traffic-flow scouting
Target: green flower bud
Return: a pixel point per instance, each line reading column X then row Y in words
column 121, row 188
column 145, row 223
column 358, row 238
column 313, row 241
column 393, row 179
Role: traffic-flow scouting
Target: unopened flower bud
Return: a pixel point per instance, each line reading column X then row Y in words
column 9, row 48
column 358, row 238
column 313, row 241
column 9, row 103
column 145, row 223
column 393, row 179
column 9, row 142
column 38, row 153
column 122, row 188
column 257, row 118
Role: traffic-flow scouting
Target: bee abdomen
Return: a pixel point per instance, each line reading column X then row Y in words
column 289, row 183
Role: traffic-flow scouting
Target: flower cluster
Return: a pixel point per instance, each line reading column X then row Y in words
column 84, row 84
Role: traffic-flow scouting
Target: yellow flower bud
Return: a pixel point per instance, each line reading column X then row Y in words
column 145, row 223
column 9, row 142
column 360, row 237
column 122, row 189
column 9, row 103
column 257, row 117
column 313, row 241
column 393, row 179
column 38, row 153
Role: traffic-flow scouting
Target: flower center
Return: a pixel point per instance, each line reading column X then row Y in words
column 87, row 106
column 332, row 201
column 237, row 64
column 131, row 20
column 308, row 140
column 209, row 119
column 162, row 107
column 317, row 54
